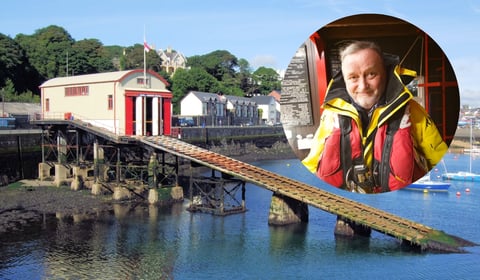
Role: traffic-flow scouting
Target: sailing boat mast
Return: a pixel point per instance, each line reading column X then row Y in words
column 471, row 144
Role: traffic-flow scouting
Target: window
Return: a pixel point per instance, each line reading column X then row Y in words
column 76, row 91
column 47, row 105
column 142, row 81
column 110, row 102
column 220, row 109
column 238, row 110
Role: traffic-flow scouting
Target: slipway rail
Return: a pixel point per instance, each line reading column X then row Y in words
column 423, row 236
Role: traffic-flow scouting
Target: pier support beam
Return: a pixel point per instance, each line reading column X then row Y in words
column 44, row 171
column 347, row 228
column 61, row 172
column 80, row 171
column 77, row 183
column 152, row 171
column 121, row 193
column 98, row 168
column 217, row 195
column 285, row 210
column 165, row 194
column 97, row 189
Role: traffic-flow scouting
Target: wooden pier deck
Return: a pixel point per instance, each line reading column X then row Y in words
column 381, row 221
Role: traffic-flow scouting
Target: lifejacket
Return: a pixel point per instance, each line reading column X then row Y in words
column 397, row 147
column 395, row 162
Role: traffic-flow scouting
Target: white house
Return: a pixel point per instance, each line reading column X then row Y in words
column 219, row 109
column 268, row 105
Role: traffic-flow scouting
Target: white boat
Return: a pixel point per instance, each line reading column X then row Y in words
column 465, row 175
column 426, row 184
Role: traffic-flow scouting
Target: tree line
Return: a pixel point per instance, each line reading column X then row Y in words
column 26, row 61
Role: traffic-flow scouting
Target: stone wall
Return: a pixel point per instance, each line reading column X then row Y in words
column 265, row 135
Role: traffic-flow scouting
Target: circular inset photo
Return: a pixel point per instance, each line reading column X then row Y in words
column 370, row 104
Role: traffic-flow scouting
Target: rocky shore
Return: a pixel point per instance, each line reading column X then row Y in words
column 29, row 201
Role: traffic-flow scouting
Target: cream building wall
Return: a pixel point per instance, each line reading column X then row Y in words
column 93, row 106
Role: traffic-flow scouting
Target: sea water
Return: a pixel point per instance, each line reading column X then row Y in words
column 145, row 242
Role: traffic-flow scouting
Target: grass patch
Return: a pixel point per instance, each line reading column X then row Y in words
column 15, row 186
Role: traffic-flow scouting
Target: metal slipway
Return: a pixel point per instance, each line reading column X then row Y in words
column 418, row 234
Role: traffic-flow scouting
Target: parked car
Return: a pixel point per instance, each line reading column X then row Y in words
column 186, row 122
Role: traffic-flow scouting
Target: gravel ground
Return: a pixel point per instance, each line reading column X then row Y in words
column 28, row 203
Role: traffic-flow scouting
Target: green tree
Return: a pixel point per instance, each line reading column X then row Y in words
column 15, row 66
column 87, row 57
column 9, row 94
column 134, row 58
column 220, row 64
column 266, row 80
column 8, row 91
column 116, row 55
column 244, row 77
column 47, row 50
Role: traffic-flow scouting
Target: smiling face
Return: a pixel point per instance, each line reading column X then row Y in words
column 365, row 77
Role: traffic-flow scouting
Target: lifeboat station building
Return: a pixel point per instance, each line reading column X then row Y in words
column 131, row 102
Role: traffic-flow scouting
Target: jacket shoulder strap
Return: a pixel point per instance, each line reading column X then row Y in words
column 345, row 145
column 384, row 165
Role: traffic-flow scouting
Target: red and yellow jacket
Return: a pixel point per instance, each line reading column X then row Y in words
column 395, row 158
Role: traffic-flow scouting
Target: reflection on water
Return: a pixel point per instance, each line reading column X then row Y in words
column 150, row 242
column 290, row 237
column 130, row 242
column 110, row 246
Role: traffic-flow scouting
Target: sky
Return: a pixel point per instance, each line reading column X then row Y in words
column 264, row 32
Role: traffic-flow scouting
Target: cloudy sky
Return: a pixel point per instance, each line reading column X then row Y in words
column 265, row 32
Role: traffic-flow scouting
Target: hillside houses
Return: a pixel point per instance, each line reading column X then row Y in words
column 172, row 60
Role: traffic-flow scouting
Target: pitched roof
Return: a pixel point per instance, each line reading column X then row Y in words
column 276, row 94
column 19, row 108
column 95, row 78
column 205, row 96
column 262, row 99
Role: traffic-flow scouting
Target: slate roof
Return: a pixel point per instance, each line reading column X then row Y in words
column 262, row 99
column 18, row 108
column 206, row 96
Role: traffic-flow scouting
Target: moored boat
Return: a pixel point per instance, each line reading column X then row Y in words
column 461, row 176
column 427, row 184
column 465, row 175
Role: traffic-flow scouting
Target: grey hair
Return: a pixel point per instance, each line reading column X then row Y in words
column 356, row 46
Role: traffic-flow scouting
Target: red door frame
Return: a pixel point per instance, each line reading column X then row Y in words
column 166, row 117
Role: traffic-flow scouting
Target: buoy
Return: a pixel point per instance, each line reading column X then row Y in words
column 288, row 164
column 467, row 189
column 458, row 193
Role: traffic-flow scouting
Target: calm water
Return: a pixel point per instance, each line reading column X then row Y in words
column 156, row 243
